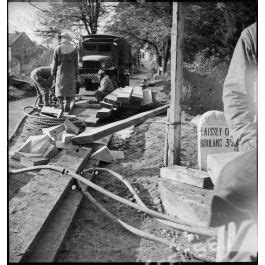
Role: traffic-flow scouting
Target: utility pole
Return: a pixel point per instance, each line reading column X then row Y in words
column 174, row 125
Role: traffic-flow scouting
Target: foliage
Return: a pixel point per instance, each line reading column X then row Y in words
column 44, row 59
column 215, row 27
column 236, row 17
column 144, row 23
column 74, row 16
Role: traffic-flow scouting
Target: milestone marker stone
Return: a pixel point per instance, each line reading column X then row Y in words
column 213, row 136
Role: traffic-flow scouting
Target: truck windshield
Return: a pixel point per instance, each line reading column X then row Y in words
column 97, row 47
column 104, row 47
column 90, row 46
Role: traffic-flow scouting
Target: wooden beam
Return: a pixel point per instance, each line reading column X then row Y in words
column 185, row 175
column 124, row 94
column 147, row 98
column 36, row 203
column 103, row 113
column 88, row 136
column 177, row 37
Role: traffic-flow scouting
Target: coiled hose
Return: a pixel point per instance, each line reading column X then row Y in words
column 35, row 122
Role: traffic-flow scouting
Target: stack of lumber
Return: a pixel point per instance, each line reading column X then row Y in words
column 129, row 99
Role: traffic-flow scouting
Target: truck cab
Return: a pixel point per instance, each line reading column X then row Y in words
column 107, row 52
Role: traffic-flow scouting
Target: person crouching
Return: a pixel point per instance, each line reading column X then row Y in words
column 43, row 81
column 105, row 86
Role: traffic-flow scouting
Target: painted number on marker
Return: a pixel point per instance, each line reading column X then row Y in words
column 228, row 142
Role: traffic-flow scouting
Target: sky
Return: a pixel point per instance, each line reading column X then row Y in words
column 23, row 17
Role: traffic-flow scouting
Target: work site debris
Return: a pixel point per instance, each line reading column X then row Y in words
column 51, row 111
column 54, row 132
column 103, row 154
column 67, row 137
column 70, row 127
column 34, row 161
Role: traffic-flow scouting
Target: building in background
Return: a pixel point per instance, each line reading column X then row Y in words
column 21, row 50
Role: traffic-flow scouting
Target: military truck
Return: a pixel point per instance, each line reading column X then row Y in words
column 107, row 52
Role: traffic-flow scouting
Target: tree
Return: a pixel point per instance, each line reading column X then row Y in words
column 236, row 17
column 75, row 16
column 145, row 23
column 214, row 27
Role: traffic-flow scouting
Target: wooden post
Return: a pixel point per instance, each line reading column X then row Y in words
column 177, row 38
column 166, row 142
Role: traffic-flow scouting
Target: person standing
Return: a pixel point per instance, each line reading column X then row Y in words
column 240, row 91
column 235, row 197
column 43, row 80
column 65, row 71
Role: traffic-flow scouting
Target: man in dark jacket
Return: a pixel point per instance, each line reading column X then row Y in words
column 105, row 86
column 43, row 80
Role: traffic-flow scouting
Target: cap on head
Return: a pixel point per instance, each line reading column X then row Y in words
column 101, row 72
column 66, row 36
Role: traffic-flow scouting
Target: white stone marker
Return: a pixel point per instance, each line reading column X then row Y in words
column 213, row 136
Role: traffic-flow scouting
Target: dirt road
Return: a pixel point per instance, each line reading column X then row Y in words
column 15, row 111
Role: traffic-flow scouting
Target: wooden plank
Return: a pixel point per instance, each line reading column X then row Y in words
column 51, row 111
column 215, row 163
column 88, row 103
column 50, row 243
column 112, row 97
column 70, row 127
column 137, row 93
column 104, row 113
column 51, row 151
column 107, row 105
column 34, row 161
column 88, row 115
column 187, row 202
column 31, row 211
column 39, row 144
column 54, row 131
column 185, row 175
column 124, row 94
column 88, row 136
column 67, row 137
column 177, row 38
column 147, row 98
column 103, row 154
column 117, row 155
column 69, row 146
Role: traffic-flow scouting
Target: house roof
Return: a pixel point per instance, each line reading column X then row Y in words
column 13, row 37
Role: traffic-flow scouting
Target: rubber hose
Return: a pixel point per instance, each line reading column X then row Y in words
column 179, row 224
column 137, row 198
column 130, row 228
column 125, row 225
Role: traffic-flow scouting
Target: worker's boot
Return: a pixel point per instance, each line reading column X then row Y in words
column 67, row 104
column 61, row 105
column 46, row 100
